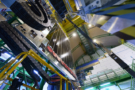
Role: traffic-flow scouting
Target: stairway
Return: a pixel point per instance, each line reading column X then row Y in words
column 88, row 46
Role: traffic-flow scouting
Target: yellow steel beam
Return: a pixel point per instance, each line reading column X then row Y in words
column 129, row 31
column 67, row 6
column 122, row 41
column 73, row 6
column 38, row 58
column 69, row 27
column 73, row 29
column 60, row 83
column 51, row 34
column 63, row 29
column 66, row 22
column 8, row 64
column 4, row 75
column 59, row 24
column 66, row 85
column 66, row 25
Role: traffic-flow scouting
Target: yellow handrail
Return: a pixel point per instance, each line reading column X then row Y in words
column 24, row 55
column 11, row 62
column 3, row 75
column 38, row 58
column 60, row 83
column 66, row 85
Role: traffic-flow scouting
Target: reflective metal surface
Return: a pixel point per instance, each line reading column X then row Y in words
column 116, row 24
column 7, row 2
column 58, row 65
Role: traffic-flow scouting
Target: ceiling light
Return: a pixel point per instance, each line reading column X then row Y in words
column 94, row 40
column 89, row 25
column 56, row 63
column 65, row 39
column 5, row 56
column 54, row 40
column 105, row 84
column 89, row 88
column 64, row 55
column 74, row 34
column 46, row 31
column 58, row 43
column 79, row 86
column 36, row 72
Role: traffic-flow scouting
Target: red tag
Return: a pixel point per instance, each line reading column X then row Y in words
column 49, row 49
column 59, row 59
column 54, row 54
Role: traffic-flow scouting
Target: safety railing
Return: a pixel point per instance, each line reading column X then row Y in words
column 6, row 70
column 107, row 75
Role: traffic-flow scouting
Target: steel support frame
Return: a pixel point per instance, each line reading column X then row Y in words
column 25, row 78
column 43, row 81
column 33, row 54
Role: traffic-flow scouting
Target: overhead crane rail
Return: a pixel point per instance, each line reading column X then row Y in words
column 4, row 75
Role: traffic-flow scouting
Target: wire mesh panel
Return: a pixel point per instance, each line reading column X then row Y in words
column 95, row 80
column 103, row 78
column 109, row 70
column 119, row 72
column 88, row 82
column 111, row 75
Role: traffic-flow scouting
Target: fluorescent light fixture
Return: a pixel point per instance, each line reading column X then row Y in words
column 46, row 31
column 36, row 72
column 74, row 34
column 45, row 86
column 79, row 86
column 58, row 43
column 7, row 55
column 13, row 58
column 20, row 20
column 89, row 88
column 56, row 63
column 94, row 40
column 105, row 84
column 65, row 39
column 89, row 25
column 54, row 40
column 40, row 49
column 64, row 55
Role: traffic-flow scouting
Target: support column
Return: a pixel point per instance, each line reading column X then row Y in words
column 43, row 81
column 118, row 86
column 60, row 83
column 66, row 85
column 25, row 78
column 15, row 74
